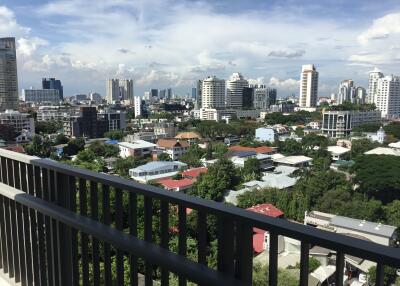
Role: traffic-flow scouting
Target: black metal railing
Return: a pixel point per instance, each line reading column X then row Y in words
column 61, row 225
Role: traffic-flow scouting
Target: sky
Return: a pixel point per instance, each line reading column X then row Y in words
column 171, row 44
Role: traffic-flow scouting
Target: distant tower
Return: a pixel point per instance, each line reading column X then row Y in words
column 126, row 90
column 112, row 90
column 138, row 106
column 213, row 93
column 374, row 76
column 52, row 83
column 308, row 86
column 381, row 135
column 234, row 90
column 8, row 74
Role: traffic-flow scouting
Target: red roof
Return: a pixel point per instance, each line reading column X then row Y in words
column 261, row 150
column 170, row 143
column 266, row 209
column 258, row 242
column 195, row 172
column 18, row 149
column 175, row 184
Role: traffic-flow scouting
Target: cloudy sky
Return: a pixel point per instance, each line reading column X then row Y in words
column 162, row 43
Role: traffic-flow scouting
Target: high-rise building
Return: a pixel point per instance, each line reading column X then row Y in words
column 8, row 74
column 137, row 106
column 373, row 84
column 40, row 96
column 234, row 90
column 264, row 96
column 199, row 94
column 162, row 93
column 52, row 83
column 248, row 98
column 86, row 124
column 346, row 92
column 308, row 86
column 194, row 93
column 96, row 97
column 213, row 93
column 126, row 90
column 361, row 95
column 169, row 93
column 154, row 93
column 119, row 90
column 387, row 97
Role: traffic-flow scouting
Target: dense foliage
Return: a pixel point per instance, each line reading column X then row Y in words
column 295, row 118
column 47, row 127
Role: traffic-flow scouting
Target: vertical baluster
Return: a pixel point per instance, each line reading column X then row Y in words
column 273, row 259
column 339, row 268
column 380, row 273
column 305, row 250
column 47, row 227
column 10, row 257
column 53, row 196
column 164, row 225
column 133, row 231
column 33, row 228
column 202, row 237
column 244, row 253
column 40, row 225
column 26, row 227
column 64, row 232
column 182, row 239
column 21, row 245
column 14, row 237
column 84, row 236
column 225, row 261
column 4, row 249
column 107, row 250
column 95, row 243
column 148, row 222
column 119, row 226
column 74, row 232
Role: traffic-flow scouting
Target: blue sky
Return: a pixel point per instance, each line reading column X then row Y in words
column 173, row 43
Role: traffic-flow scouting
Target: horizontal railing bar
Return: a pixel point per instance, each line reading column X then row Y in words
column 148, row 251
column 349, row 245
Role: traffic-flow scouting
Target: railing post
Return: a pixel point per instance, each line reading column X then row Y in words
column 380, row 273
column 244, row 253
column 305, row 250
column 273, row 259
column 339, row 268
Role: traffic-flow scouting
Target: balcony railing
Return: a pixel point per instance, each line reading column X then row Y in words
column 61, row 225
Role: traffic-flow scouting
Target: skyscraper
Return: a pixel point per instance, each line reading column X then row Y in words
column 162, row 93
column 346, row 92
column 154, row 93
column 199, row 94
column 169, row 93
column 137, row 106
column 194, row 93
column 387, row 97
column 8, row 74
column 213, row 93
column 234, row 90
column 308, row 86
column 374, row 76
column 52, row 83
column 119, row 90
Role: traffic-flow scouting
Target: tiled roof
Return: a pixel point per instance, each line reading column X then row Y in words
column 188, row 135
column 195, row 172
column 170, row 143
column 266, row 209
column 262, row 149
column 174, row 184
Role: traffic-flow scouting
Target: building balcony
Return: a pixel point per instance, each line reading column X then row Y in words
column 61, row 225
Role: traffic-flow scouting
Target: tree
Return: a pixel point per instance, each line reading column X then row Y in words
column 359, row 147
column 61, row 139
column 164, row 157
column 252, row 169
column 7, row 132
column 220, row 177
column 104, row 150
column 39, row 147
column 393, row 129
column 378, row 176
column 122, row 165
column 367, row 127
column 193, row 156
column 74, row 146
column 114, row 134
column 261, row 275
column 290, row 147
column 389, row 276
column 47, row 127
column 392, row 213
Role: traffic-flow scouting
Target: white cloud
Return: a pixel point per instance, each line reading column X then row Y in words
column 287, row 54
column 288, row 84
column 381, row 28
column 26, row 46
column 9, row 25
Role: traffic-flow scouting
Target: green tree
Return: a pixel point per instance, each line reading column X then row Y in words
column 368, row 127
column 74, row 146
column 389, row 276
column 61, row 139
column 252, row 169
column 359, row 147
column 290, row 147
column 261, row 275
column 220, row 177
column 163, row 157
column 122, row 165
column 7, row 132
column 392, row 213
column 114, row 134
column 393, row 129
column 193, row 156
column 47, row 127
column 39, row 147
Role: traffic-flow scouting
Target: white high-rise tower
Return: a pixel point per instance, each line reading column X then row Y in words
column 213, row 93
column 387, row 97
column 374, row 76
column 119, row 90
column 234, row 90
column 308, row 86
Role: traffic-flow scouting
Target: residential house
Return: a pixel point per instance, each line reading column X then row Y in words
column 174, row 148
column 337, row 152
column 293, row 161
column 156, row 170
column 138, row 148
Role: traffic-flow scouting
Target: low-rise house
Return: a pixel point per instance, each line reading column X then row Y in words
column 239, row 158
column 261, row 238
column 383, row 151
column 138, row 148
column 194, row 173
column 395, row 145
column 176, row 185
column 174, row 148
column 293, row 161
column 231, row 140
column 337, row 152
column 259, row 150
column 265, row 134
column 156, row 170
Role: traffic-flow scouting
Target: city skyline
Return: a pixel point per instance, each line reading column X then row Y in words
column 266, row 42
